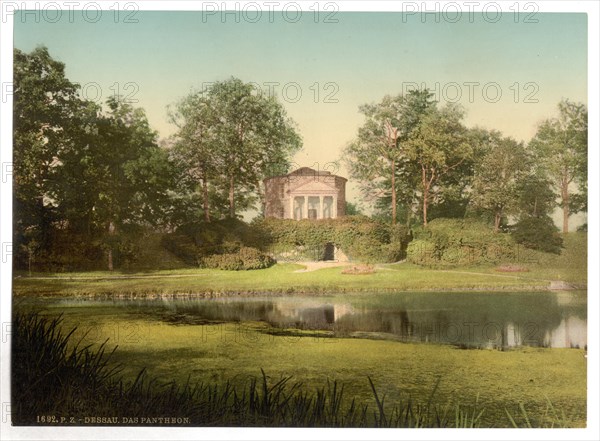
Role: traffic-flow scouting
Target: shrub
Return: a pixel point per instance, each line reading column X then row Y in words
column 359, row 237
column 538, row 233
column 457, row 242
column 245, row 258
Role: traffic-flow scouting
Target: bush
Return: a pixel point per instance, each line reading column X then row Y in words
column 539, row 234
column 245, row 258
column 458, row 242
column 195, row 241
column 359, row 237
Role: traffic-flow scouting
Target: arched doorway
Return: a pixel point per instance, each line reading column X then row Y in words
column 329, row 253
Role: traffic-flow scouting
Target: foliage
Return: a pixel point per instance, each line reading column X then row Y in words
column 535, row 197
column 79, row 170
column 498, row 175
column 440, row 147
column 245, row 258
column 231, row 136
column 45, row 103
column 194, row 241
column 353, row 209
column 359, row 237
column 538, row 233
column 560, row 145
column 455, row 242
column 377, row 158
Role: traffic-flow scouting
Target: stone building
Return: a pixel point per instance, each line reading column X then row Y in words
column 305, row 194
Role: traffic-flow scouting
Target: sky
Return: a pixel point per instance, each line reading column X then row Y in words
column 509, row 75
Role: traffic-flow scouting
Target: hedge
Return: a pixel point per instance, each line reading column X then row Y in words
column 359, row 237
column 459, row 242
column 245, row 258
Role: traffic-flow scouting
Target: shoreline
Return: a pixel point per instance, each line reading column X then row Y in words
column 213, row 294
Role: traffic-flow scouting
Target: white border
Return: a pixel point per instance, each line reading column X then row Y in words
column 592, row 432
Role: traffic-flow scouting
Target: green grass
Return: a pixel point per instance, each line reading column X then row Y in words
column 280, row 278
column 570, row 266
column 212, row 374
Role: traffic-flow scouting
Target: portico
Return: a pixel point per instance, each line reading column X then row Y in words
column 305, row 194
column 313, row 206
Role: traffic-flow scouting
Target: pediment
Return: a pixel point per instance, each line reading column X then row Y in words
column 314, row 187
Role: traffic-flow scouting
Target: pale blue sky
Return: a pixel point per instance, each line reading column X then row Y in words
column 366, row 55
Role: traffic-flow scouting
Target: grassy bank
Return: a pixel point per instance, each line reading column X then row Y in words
column 281, row 278
column 211, row 375
column 542, row 268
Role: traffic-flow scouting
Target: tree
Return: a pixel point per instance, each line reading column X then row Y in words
column 352, row 209
column 377, row 157
column 439, row 145
column 255, row 133
column 196, row 146
column 237, row 136
column 45, row 103
column 115, row 177
column 561, row 148
column 498, row 175
column 535, row 197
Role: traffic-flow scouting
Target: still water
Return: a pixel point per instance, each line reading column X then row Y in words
column 470, row 320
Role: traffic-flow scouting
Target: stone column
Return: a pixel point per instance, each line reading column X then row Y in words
column 292, row 206
column 334, row 208
column 320, row 216
column 305, row 208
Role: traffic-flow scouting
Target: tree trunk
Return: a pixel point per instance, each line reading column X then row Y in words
column 497, row 219
column 205, row 198
column 425, row 197
column 111, row 231
column 231, row 197
column 565, row 205
column 393, row 163
column 425, row 194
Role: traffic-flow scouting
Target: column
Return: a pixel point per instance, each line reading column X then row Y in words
column 334, row 208
column 292, row 206
column 320, row 207
column 305, row 208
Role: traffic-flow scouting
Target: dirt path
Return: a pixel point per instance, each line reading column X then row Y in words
column 313, row 266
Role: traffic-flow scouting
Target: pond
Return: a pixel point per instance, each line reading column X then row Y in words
column 467, row 320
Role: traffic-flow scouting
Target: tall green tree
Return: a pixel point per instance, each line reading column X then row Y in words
column 561, row 148
column 255, row 136
column 236, row 136
column 498, row 175
column 196, row 146
column 45, row 104
column 377, row 158
column 133, row 172
column 438, row 146
column 115, row 177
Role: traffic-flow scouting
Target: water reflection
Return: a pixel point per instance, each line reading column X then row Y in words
column 470, row 320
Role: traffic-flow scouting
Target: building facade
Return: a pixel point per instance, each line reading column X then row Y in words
column 305, row 194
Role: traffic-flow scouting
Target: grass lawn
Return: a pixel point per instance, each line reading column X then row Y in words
column 280, row 278
column 570, row 266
